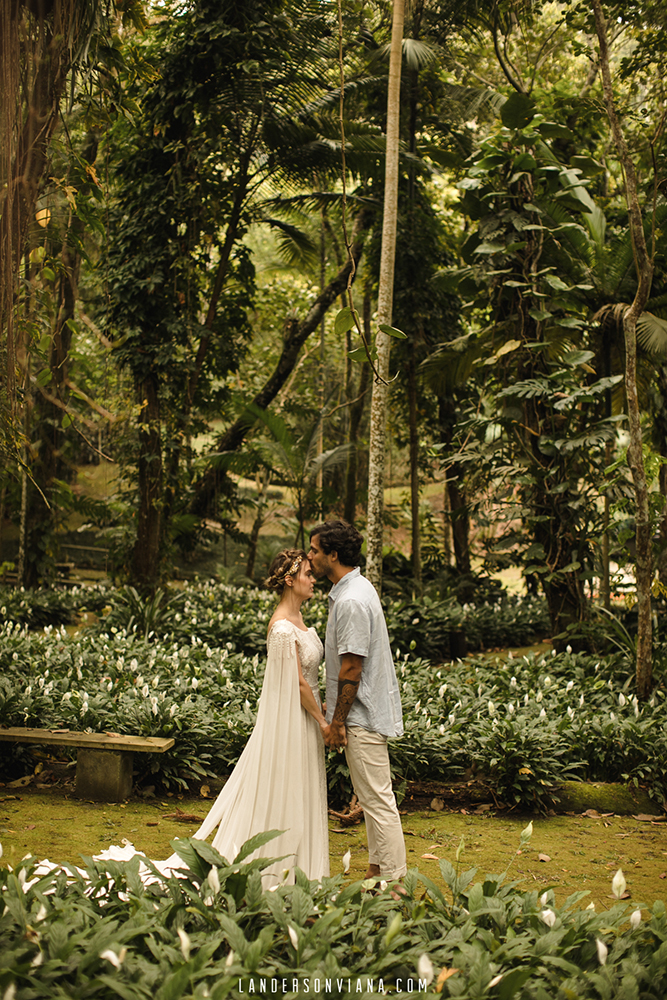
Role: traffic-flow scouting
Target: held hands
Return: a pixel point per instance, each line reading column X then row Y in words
column 335, row 735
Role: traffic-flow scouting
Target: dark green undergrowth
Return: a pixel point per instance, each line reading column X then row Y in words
column 521, row 724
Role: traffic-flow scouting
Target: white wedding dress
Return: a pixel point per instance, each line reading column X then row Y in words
column 279, row 782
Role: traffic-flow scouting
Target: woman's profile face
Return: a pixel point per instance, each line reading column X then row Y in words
column 304, row 581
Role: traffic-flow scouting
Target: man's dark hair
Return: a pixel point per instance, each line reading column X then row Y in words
column 340, row 537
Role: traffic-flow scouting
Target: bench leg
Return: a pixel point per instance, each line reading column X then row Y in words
column 104, row 775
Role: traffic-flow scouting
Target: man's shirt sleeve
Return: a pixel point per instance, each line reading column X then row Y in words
column 353, row 628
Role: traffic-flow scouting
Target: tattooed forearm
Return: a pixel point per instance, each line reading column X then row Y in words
column 347, row 692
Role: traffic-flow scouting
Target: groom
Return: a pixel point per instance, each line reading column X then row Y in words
column 363, row 700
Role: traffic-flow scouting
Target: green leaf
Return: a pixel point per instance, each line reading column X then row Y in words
column 66, row 421
column 517, row 111
column 359, row 354
column 552, row 130
column 344, row 321
column 257, row 841
column 490, row 248
column 392, row 331
column 556, row 283
column 48, row 273
column 44, row 377
column 512, row 981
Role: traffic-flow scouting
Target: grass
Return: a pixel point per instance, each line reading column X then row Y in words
column 584, row 851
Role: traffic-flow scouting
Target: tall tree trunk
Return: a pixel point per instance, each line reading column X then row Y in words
column 30, row 94
column 458, row 506
column 356, row 413
column 146, row 554
column 414, row 471
column 644, row 267
column 380, row 398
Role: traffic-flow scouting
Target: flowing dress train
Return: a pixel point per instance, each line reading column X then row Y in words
column 279, row 782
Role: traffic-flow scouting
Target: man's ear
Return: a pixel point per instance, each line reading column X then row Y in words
column 333, row 556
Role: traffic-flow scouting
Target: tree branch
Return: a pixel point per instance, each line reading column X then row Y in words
column 295, row 336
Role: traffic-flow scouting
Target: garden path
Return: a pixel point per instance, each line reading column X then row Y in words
column 584, row 851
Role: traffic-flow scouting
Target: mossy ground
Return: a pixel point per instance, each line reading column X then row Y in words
column 584, row 851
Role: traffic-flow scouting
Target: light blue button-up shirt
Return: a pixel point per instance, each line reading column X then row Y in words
column 356, row 625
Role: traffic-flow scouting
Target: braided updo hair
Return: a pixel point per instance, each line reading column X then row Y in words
column 286, row 563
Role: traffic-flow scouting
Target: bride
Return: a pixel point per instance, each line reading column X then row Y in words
column 279, row 782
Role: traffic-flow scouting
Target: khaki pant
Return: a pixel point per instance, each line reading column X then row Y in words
column 368, row 761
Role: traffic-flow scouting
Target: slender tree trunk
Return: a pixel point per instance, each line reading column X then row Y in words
column 644, row 268
column 414, row 472
column 356, row 413
column 146, row 553
column 380, row 399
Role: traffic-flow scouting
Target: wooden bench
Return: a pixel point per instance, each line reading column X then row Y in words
column 103, row 762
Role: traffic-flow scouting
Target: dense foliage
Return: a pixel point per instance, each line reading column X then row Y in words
column 520, row 725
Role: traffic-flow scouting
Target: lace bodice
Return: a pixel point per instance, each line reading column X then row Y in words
column 309, row 645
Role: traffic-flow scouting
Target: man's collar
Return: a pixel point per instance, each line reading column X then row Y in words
column 337, row 587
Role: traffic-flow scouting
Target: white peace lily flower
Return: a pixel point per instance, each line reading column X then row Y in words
column 186, row 944
column 618, row 884
column 37, row 960
column 549, row 917
column 568, row 649
column 491, row 708
column 496, row 980
column 526, row 699
column 41, row 913
column 347, row 857
column 452, row 719
column 230, row 958
column 539, row 696
column 570, row 712
column 527, row 832
column 581, row 701
column 425, row 969
column 214, row 879
column 115, row 959
column 603, row 951
column 293, row 936
column 383, row 885
column 510, row 708
column 543, row 714
column 612, row 717
column 1, row 851
column 10, row 992
column 621, row 699
column 591, row 906
column 635, row 919
column 553, row 652
column 145, row 690
column 510, row 655
column 569, row 686
column 544, row 898
column 513, row 682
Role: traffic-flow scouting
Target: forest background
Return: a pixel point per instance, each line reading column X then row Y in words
column 192, row 199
